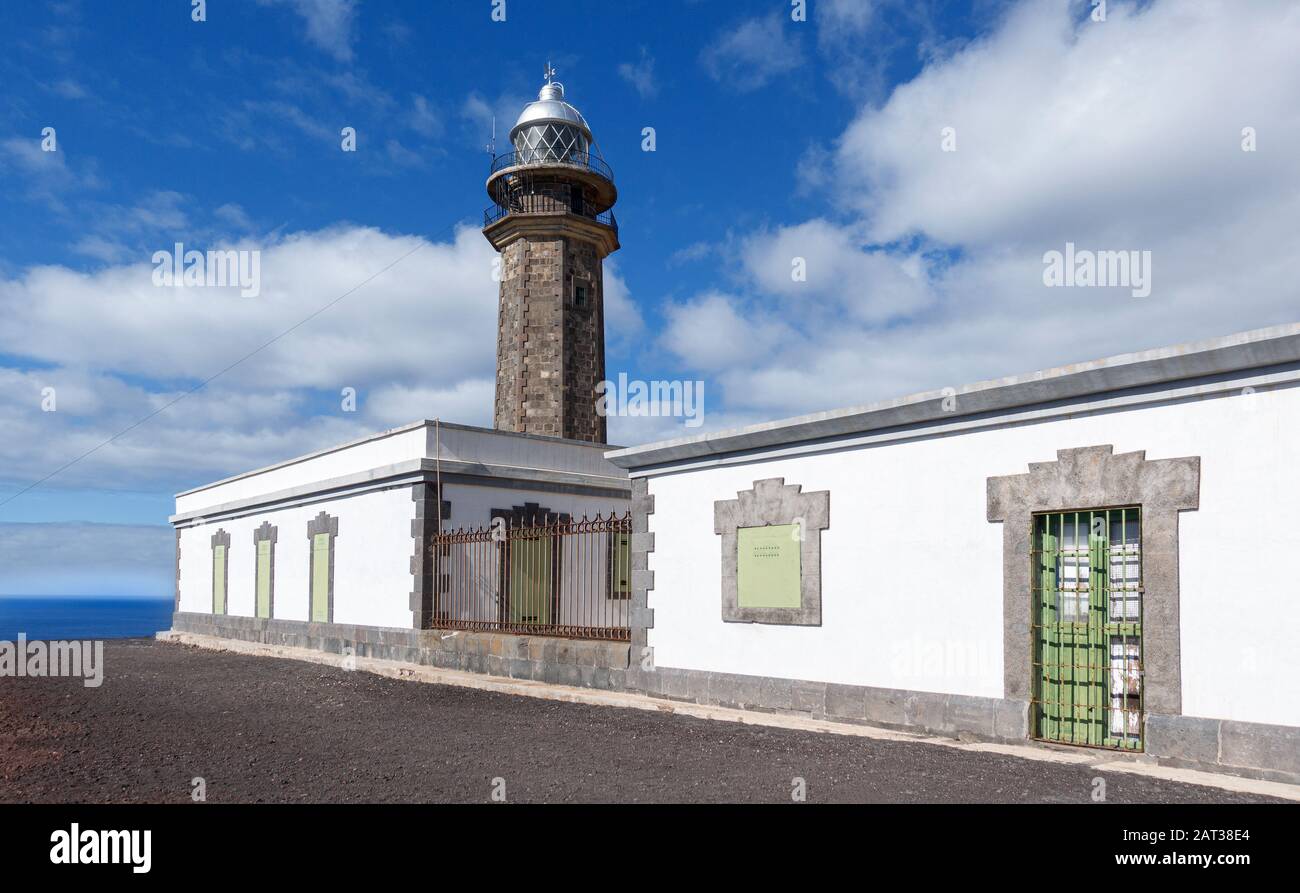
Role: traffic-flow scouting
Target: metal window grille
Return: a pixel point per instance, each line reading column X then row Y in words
column 550, row 142
column 564, row 578
column 1086, row 573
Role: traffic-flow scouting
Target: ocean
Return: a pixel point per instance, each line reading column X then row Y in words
column 82, row 617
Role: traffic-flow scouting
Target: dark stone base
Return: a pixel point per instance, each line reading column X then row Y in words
column 591, row 664
column 1250, row 749
column 954, row 716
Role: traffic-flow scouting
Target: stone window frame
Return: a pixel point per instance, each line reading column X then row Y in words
column 222, row 538
column 772, row 502
column 271, row 533
column 1090, row 478
column 322, row 523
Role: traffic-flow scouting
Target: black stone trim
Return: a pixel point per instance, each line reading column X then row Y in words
column 530, row 514
column 424, row 563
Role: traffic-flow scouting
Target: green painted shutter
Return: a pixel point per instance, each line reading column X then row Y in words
column 320, row 578
column 263, row 578
column 1048, row 712
column 768, row 567
column 218, row 579
column 530, row 579
column 621, row 565
column 1088, row 636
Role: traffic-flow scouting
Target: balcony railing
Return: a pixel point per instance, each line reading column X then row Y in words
column 563, row 578
column 536, row 158
column 534, row 204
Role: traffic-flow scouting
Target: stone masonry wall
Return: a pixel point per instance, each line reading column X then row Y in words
column 550, row 346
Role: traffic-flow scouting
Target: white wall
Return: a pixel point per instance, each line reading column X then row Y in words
column 372, row 574
column 912, row 571
column 402, row 445
column 407, row 444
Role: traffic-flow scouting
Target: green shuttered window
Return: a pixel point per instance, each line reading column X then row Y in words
column 320, row 578
column 768, row 567
column 264, row 578
column 532, row 589
column 219, row 579
column 1087, row 582
column 620, row 565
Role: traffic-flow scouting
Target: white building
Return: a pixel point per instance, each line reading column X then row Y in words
column 1098, row 554
column 336, row 550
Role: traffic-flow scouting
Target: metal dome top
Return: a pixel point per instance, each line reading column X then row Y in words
column 550, row 107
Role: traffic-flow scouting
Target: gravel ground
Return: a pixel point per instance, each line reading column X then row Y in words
column 265, row 730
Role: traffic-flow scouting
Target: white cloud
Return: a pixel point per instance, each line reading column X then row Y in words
column 844, row 16
column 479, row 112
column 68, row 89
column 330, row 23
column 752, row 53
column 423, row 119
column 860, row 41
column 417, row 340
column 401, row 156
column 1124, row 135
column 641, row 75
column 467, row 402
column 119, row 320
column 840, row 274
column 42, row 176
column 714, row 332
column 78, row 557
column 623, row 322
column 234, row 216
column 1063, row 126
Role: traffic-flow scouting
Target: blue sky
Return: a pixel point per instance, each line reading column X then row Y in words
column 775, row 139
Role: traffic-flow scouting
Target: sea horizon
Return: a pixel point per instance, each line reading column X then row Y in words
column 59, row 595
column 83, row 616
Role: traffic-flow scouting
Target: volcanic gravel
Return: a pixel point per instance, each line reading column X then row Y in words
column 260, row 729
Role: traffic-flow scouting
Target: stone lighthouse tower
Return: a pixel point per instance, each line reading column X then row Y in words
column 552, row 223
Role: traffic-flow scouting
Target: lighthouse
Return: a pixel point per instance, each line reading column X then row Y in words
column 551, row 219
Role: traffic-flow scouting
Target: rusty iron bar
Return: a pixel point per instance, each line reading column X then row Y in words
column 567, row 578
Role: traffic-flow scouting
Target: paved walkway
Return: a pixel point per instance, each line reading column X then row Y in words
column 264, row 729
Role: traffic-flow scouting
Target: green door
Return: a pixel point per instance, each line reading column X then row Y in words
column 218, row 579
column 320, row 578
column 1088, row 627
column 263, row 578
column 531, row 582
